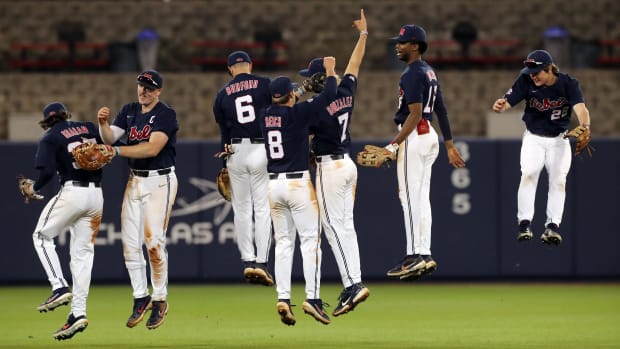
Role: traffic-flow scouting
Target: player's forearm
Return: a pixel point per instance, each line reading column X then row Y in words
column 408, row 126
column 105, row 131
column 353, row 67
column 583, row 114
column 138, row 151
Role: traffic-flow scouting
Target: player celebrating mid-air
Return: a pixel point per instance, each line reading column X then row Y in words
column 291, row 193
column 236, row 109
column 77, row 206
column 550, row 97
column 150, row 127
column 336, row 174
column 418, row 146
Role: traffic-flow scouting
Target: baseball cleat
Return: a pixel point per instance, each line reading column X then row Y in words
column 259, row 275
column 350, row 298
column 429, row 265
column 285, row 311
column 314, row 308
column 158, row 312
column 73, row 326
column 248, row 270
column 60, row 296
column 408, row 266
column 525, row 233
column 140, row 306
column 551, row 236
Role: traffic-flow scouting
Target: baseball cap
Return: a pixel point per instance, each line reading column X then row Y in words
column 238, row 57
column 536, row 61
column 315, row 66
column 412, row 33
column 54, row 108
column 280, row 86
column 150, row 79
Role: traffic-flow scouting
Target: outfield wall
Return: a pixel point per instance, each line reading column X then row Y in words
column 474, row 220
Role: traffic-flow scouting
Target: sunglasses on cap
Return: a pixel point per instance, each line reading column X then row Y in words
column 147, row 80
column 530, row 63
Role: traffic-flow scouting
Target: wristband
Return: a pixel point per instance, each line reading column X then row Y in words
column 300, row 91
column 118, row 150
column 364, row 32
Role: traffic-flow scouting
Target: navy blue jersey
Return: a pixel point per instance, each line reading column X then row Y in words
column 547, row 108
column 331, row 134
column 237, row 105
column 285, row 130
column 54, row 152
column 419, row 84
column 138, row 128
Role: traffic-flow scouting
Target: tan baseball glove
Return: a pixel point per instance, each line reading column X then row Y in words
column 25, row 188
column 223, row 184
column 93, row 156
column 583, row 137
column 374, row 156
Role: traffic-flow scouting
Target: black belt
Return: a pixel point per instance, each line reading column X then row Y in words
column 84, row 184
column 289, row 175
column 547, row 134
column 252, row 140
column 332, row 157
column 145, row 173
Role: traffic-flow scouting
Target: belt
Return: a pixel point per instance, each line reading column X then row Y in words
column 149, row 173
column 83, row 184
column 252, row 140
column 323, row 158
column 287, row 175
column 547, row 134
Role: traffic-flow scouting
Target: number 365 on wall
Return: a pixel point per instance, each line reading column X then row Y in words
column 461, row 180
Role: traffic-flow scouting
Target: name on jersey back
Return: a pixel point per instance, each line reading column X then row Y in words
column 241, row 86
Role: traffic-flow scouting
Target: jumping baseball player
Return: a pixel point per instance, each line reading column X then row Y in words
column 336, row 174
column 149, row 128
column 291, row 193
column 550, row 97
column 418, row 146
column 78, row 206
column 236, row 109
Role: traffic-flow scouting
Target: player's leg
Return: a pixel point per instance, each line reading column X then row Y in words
column 284, row 235
column 262, row 216
column 335, row 190
column 557, row 163
column 55, row 218
column 241, row 199
column 132, row 228
column 532, row 160
column 429, row 150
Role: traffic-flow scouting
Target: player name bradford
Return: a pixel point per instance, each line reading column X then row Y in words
column 241, row 86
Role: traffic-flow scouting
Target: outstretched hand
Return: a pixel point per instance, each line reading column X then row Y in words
column 361, row 24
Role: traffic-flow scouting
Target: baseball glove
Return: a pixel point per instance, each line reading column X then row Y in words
column 374, row 156
column 25, row 188
column 92, row 156
column 223, row 184
column 315, row 83
column 582, row 135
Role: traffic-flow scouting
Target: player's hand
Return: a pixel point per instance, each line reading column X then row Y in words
column 102, row 115
column 499, row 105
column 455, row 158
column 329, row 63
column 360, row 24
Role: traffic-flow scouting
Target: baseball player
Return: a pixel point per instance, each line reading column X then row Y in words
column 336, row 174
column 419, row 96
column 291, row 194
column 78, row 206
column 550, row 97
column 149, row 128
column 236, row 109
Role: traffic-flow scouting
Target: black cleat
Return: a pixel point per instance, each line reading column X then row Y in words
column 525, row 233
column 314, row 308
column 286, row 312
column 551, row 235
column 140, row 306
column 158, row 312
column 410, row 265
column 60, row 296
column 73, row 326
column 260, row 275
column 429, row 265
column 350, row 298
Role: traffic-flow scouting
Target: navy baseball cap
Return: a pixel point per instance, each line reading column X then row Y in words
column 315, row 66
column 280, row 86
column 150, row 79
column 54, row 108
column 536, row 61
column 238, row 57
column 412, row 33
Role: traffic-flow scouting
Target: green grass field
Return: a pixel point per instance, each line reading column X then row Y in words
column 412, row 315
